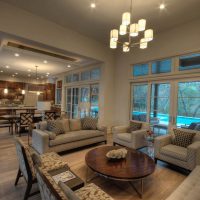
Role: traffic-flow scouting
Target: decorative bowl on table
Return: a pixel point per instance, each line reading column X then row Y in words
column 117, row 154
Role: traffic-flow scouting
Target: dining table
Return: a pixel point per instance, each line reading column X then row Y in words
column 13, row 118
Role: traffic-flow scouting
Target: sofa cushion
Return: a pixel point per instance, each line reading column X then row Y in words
column 55, row 126
column 65, row 123
column 75, row 124
column 174, row 151
column 52, row 135
column 75, row 136
column 89, row 123
column 182, row 138
column 134, row 126
column 124, row 136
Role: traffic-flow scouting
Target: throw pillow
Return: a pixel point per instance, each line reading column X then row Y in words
column 75, row 124
column 134, row 126
column 55, row 126
column 182, row 138
column 89, row 123
column 43, row 125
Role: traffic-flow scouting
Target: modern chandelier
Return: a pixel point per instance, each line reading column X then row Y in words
column 132, row 30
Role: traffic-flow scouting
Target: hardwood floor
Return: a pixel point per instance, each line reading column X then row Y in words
column 158, row 186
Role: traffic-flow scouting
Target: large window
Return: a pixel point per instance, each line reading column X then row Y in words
column 189, row 62
column 188, row 103
column 161, row 66
column 82, row 101
column 93, row 75
column 140, row 70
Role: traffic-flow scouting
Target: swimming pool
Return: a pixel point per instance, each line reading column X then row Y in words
column 164, row 118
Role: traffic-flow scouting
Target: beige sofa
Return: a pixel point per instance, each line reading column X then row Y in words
column 135, row 139
column 189, row 188
column 73, row 137
column 183, row 157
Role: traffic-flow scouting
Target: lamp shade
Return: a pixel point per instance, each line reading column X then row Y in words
column 113, row 44
column 23, row 92
column 5, row 91
column 126, row 47
column 134, row 30
column 122, row 29
column 114, row 35
column 148, row 35
column 126, row 18
column 143, row 43
column 141, row 24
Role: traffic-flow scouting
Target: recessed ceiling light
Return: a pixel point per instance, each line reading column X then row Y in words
column 29, row 70
column 47, row 73
column 13, row 75
column 45, row 61
column 7, row 66
column 162, row 6
column 68, row 66
column 16, row 54
column 1, row 71
column 16, row 73
column 93, row 5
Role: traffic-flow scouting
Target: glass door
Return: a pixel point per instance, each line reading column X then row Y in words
column 72, row 102
column 160, row 107
column 84, row 101
column 188, row 105
column 94, row 99
column 139, row 102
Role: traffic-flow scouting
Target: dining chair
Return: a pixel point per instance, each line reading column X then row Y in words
column 49, row 115
column 5, row 124
column 25, row 120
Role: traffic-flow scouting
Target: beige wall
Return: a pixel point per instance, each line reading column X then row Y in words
column 24, row 24
column 180, row 40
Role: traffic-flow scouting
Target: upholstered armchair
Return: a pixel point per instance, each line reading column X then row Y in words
column 132, row 139
column 185, row 157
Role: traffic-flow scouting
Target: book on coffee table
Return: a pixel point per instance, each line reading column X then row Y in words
column 67, row 176
column 63, row 177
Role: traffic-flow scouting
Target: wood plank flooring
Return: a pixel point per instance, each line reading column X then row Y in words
column 158, row 186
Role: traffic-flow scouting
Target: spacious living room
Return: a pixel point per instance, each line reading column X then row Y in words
column 99, row 100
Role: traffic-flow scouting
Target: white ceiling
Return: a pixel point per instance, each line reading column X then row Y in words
column 96, row 23
column 24, row 65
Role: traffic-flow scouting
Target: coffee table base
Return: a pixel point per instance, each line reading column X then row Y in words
column 139, row 190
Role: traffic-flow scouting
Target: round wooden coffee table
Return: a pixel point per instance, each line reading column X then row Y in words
column 136, row 165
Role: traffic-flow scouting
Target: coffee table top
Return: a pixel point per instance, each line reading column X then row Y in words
column 136, row 165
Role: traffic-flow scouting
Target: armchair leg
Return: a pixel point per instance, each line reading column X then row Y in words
column 28, row 189
column 155, row 159
column 18, row 176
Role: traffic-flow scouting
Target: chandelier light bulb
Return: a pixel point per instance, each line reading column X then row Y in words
column 5, row 91
column 122, row 29
column 126, row 18
column 148, row 35
column 142, row 24
column 143, row 43
column 126, row 47
column 134, row 30
column 113, row 44
column 114, row 35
